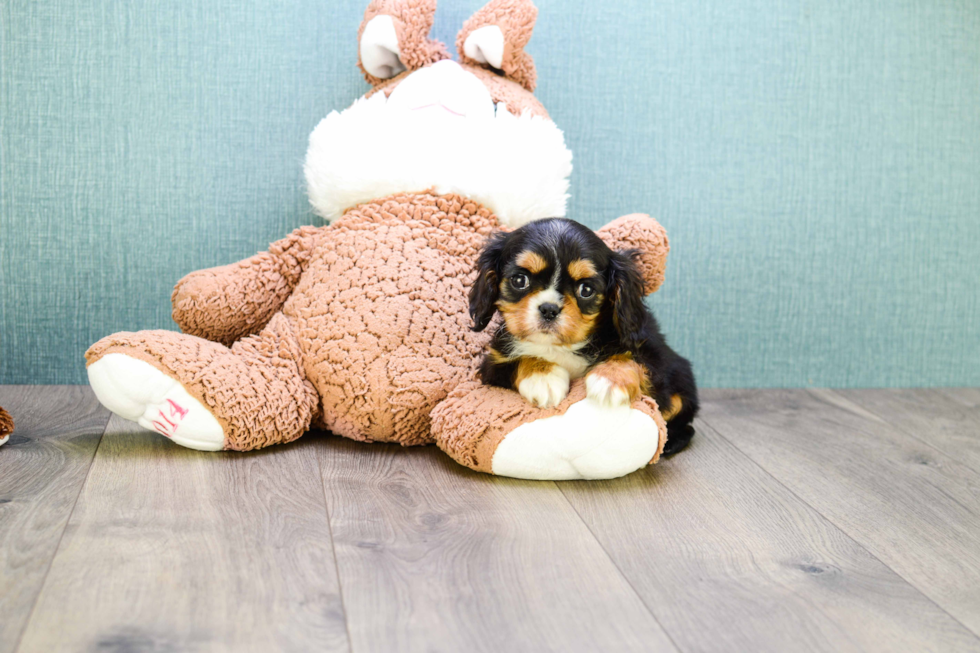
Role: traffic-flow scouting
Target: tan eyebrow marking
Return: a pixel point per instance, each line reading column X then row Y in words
column 581, row 268
column 531, row 261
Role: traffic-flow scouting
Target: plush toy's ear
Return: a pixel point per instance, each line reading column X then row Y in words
column 495, row 37
column 486, row 286
column 647, row 242
column 394, row 37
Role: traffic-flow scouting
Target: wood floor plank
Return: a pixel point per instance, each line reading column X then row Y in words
column 174, row 549
column 913, row 507
column 969, row 397
column 42, row 469
column 728, row 559
column 945, row 419
column 433, row 556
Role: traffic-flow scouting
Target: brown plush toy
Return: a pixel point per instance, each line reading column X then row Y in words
column 361, row 327
column 6, row 426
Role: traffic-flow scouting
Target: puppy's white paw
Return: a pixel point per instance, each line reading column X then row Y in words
column 545, row 390
column 604, row 392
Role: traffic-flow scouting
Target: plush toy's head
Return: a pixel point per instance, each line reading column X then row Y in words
column 472, row 128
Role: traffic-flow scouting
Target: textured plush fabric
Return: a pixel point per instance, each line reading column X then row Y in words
column 641, row 233
column 232, row 301
column 257, row 390
column 6, row 424
column 517, row 98
column 815, row 165
column 515, row 18
column 369, row 325
column 516, row 166
column 474, row 419
column 362, row 327
column 382, row 313
column 412, row 20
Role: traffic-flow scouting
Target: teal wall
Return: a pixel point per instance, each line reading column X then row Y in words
column 817, row 165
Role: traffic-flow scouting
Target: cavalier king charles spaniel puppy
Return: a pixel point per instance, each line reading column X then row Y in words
column 572, row 307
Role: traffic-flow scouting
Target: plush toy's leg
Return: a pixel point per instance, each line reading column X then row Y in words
column 203, row 395
column 496, row 431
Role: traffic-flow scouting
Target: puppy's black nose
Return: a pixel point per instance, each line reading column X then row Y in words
column 549, row 311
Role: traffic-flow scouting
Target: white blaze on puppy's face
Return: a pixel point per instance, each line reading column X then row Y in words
column 545, row 330
column 544, row 340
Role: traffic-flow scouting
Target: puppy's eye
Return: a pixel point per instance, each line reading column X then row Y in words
column 586, row 290
column 519, row 281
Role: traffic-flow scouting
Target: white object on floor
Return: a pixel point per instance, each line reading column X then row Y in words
column 589, row 441
column 139, row 392
column 3, row 440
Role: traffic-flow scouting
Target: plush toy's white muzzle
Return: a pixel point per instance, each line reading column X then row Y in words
column 445, row 89
column 439, row 130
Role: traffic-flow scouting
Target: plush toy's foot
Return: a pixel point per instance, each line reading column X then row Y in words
column 589, row 441
column 496, row 431
column 139, row 392
column 202, row 394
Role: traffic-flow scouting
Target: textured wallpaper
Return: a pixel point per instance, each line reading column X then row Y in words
column 816, row 164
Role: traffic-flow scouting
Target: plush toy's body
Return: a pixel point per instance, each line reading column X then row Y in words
column 369, row 327
column 361, row 327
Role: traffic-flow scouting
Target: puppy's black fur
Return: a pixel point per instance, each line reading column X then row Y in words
column 620, row 321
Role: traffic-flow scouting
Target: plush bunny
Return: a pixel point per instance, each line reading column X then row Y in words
column 361, row 327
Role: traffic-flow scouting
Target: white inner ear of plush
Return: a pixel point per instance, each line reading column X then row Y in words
column 485, row 45
column 442, row 134
column 379, row 48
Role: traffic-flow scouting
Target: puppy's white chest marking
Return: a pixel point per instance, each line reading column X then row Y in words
column 567, row 357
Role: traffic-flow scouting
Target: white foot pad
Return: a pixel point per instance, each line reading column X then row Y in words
column 3, row 440
column 589, row 441
column 137, row 391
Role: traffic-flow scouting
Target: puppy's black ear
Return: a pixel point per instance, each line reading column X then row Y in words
column 486, row 287
column 625, row 290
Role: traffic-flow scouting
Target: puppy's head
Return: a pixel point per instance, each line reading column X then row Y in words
column 553, row 280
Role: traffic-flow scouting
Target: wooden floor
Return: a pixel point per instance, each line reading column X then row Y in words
column 797, row 520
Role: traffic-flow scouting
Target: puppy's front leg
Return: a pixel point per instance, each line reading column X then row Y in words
column 541, row 382
column 616, row 381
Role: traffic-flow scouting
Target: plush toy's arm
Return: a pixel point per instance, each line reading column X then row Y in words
column 496, row 431
column 230, row 302
column 642, row 233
